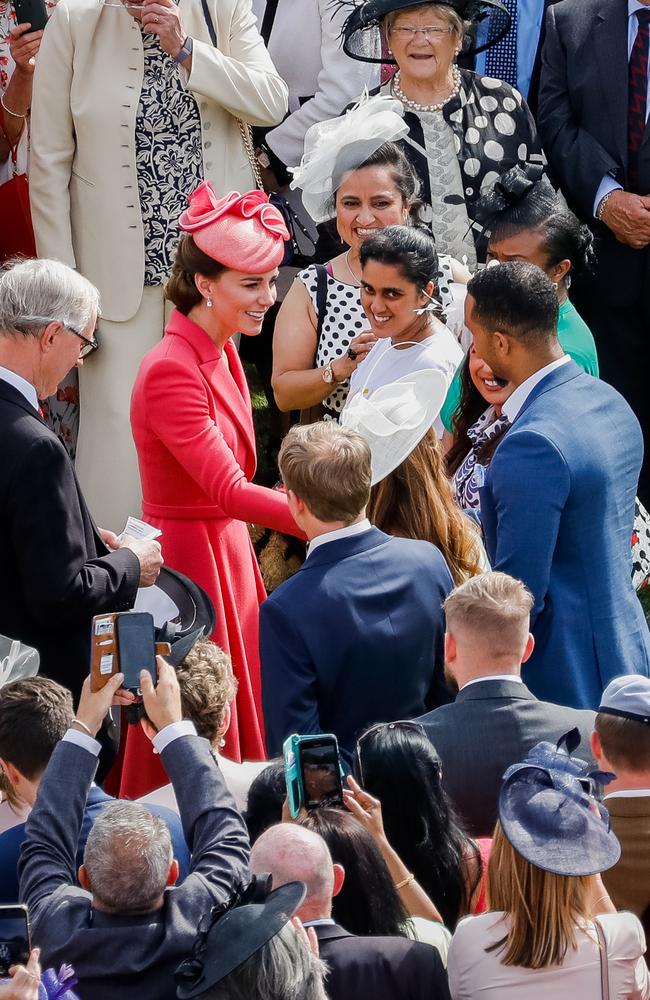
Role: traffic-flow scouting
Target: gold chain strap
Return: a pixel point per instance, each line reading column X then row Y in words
column 247, row 139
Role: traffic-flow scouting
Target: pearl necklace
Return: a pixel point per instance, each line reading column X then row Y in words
column 413, row 105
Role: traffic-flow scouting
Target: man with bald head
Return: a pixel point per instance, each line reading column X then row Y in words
column 380, row 967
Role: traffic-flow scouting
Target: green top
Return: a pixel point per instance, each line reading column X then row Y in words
column 574, row 336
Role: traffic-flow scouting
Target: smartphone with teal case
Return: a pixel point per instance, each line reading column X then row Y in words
column 313, row 772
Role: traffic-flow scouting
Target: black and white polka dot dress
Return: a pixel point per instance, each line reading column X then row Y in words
column 345, row 320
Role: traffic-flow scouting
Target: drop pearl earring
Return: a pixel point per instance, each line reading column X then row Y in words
column 209, row 302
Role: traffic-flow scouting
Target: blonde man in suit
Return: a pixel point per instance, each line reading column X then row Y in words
column 621, row 744
column 134, row 105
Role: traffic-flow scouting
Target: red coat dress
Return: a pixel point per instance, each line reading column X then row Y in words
column 193, row 429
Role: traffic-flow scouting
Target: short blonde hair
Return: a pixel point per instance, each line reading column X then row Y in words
column 442, row 11
column 328, row 467
column 207, row 685
column 493, row 606
column 543, row 909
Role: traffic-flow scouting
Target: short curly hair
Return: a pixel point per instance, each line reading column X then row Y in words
column 207, row 686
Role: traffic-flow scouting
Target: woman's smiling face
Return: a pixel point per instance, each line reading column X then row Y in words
column 368, row 200
column 494, row 391
column 390, row 301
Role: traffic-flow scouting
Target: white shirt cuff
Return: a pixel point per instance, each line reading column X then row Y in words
column 606, row 185
column 83, row 740
column 172, row 732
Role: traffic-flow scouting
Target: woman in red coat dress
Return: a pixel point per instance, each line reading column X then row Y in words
column 193, row 428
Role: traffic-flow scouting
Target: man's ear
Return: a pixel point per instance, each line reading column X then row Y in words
column 12, row 773
column 501, row 342
column 528, row 648
column 82, row 876
column 450, row 648
column 49, row 335
column 225, row 725
column 339, row 879
column 596, row 746
column 174, row 872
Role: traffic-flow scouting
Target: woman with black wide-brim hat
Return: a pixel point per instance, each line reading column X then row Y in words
column 465, row 130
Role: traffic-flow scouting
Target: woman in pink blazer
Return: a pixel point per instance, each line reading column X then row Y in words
column 193, row 428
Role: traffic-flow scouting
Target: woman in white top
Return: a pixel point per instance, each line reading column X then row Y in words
column 552, row 930
column 399, row 294
column 208, row 686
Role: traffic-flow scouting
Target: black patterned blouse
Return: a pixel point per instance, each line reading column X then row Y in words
column 493, row 131
column 169, row 159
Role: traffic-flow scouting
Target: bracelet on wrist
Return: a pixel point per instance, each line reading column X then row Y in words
column 602, row 203
column 14, row 114
column 83, row 725
column 405, row 881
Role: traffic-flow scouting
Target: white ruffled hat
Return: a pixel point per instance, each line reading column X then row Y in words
column 395, row 417
column 338, row 145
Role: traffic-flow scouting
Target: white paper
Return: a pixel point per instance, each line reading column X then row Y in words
column 139, row 529
column 157, row 603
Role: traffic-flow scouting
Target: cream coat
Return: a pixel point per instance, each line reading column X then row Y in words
column 83, row 181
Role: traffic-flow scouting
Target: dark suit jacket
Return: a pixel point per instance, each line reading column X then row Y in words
column 557, row 511
column 56, row 571
column 582, row 121
column 12, row 840
column 354, row 638
column 489, row 726
column 628, row 882
column 134, row 956
column 380, row 968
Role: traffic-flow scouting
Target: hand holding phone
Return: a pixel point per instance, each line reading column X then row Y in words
column 14, row 937
column 313, row 772
column 94, row 705
column 162, row 703
column 32, row 12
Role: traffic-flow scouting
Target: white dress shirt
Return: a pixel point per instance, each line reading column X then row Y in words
column 608, row 183
column 161, row 740
column 514, row 403
column 18, row 382
column 332, row 536
column 493, row 677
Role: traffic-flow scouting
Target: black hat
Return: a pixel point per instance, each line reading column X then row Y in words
column 232, row 937
column 361, row 31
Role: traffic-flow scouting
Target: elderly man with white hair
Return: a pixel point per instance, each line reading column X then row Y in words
column 128, row 927
column 59, row 569
column 384, row 968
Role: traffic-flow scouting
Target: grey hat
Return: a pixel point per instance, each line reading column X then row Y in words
column 627, row 697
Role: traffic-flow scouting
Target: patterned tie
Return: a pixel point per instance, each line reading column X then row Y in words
column 501, row 59
column 637, row 97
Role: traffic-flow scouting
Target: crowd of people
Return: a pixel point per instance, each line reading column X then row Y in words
column 414, row 760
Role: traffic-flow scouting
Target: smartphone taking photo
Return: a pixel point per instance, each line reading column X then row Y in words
column 14, row 937
column 313, row 772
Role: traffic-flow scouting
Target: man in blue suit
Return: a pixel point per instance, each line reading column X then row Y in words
column 557, row 504
column 356, row 636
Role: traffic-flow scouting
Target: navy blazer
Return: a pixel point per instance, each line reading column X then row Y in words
column 56, row 571
column 354, row 638
column 557, row 510
column 381, row 968
column 12, row 840
column 133, row 955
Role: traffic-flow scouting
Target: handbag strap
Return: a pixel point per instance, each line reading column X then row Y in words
column 604, row 964
column 244, row 127
column 268, row 20
column 321, row 298
column 13, row 149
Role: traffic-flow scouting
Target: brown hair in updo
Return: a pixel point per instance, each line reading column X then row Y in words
column 181, row 287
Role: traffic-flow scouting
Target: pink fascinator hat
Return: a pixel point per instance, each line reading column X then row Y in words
column 242, row 231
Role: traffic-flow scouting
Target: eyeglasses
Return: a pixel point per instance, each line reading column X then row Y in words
column 407, row 33
column 402, row 723
column 89, row 345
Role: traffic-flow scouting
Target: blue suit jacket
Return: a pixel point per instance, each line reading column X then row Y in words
column 557, row 509
column 355, row 637
column 11, row 842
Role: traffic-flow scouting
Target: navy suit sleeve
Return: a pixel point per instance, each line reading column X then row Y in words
column 289, row 683
column 49, row 852
column 214, row 830
column 529, row 484
column 577, row 159
column 59, row 583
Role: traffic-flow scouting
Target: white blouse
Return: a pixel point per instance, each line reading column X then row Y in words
column 477, row 974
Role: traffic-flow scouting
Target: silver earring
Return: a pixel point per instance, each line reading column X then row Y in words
column 222, row 743
column 209, row 302
column 555, row 285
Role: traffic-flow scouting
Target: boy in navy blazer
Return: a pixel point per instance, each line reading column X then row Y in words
column 356, row 636
column 557, row 506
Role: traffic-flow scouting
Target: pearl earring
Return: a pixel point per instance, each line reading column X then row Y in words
column 555, row 285
column 209, row 302
column 222, row 743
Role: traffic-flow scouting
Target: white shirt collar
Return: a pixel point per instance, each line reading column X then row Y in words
column 24, row 387
column 514, row 403
column 322, row 922
column 494, row 677
column 634, row 5
column 332, row 536
column 629, row 793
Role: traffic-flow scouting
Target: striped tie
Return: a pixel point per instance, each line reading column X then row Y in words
column 637, row 98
